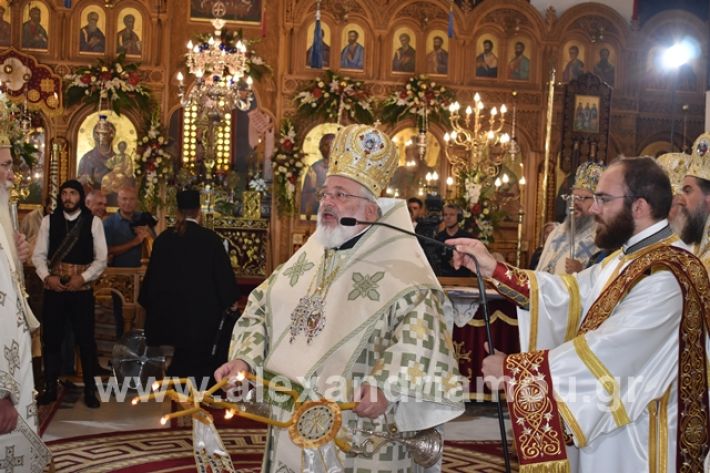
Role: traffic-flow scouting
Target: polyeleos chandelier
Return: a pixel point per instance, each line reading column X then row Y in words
column 220, row 70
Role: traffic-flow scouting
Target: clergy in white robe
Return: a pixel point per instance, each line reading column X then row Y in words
column 21, row 449
column 354, row 307
column 614, row 357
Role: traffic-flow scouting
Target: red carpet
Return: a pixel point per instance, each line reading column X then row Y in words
column 170, row 451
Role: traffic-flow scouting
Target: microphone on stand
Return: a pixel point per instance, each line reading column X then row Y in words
column 351, row 222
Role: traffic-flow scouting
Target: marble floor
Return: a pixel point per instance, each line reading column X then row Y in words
column 73, row 418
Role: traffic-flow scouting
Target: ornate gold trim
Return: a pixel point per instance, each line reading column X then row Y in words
column 663, row 433
column 605, row 378
column 571, row 422
column 549, row 467
column 653, row 436
column 534, row 310
column 537, row 426
column 574, row 311
column 496, row 315
column 310, row 415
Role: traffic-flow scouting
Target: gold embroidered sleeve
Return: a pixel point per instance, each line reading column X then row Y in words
column 512, row 283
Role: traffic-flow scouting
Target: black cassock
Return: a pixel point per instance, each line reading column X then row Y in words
column 187, row 287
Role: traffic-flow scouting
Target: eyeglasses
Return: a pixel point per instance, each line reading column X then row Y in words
column 603, row 199
column 577, row 198
column 338, row 196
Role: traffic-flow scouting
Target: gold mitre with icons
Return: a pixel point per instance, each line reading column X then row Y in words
column 676, row 166
column 364, row 154
column 587, row 175
column 700, row 159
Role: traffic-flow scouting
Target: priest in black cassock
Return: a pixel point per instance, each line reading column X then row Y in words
column 188, row 286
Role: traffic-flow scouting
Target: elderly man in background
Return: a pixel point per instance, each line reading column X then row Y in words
column 96, row 202
column 356, row 307
column 555, row 257
column 615, row 354
column 125, row 235
column 18, row 411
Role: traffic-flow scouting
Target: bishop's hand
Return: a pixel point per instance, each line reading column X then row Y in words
column 372, row 402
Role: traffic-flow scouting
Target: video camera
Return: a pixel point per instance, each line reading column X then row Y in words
column 145, row 219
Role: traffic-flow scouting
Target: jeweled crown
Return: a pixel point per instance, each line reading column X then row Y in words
column 364, row 154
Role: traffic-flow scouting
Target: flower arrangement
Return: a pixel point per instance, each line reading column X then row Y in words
column 419, row 96
column 288, row 165
column 15, row 126
column 154, row 165
column 481, row 212
column 333, row 96
column 257, row 184
column 115, row 82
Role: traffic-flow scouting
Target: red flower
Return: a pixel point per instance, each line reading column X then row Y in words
column 476, row 209
column 86, row 78
column 105, row 76
column 134, row 78
column 403, row 94
column 317, row 93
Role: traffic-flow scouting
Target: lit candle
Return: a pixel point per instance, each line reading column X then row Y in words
column 180, row 77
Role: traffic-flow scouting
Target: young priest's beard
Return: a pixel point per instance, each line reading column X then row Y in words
column 613, row 233
column 336, row 235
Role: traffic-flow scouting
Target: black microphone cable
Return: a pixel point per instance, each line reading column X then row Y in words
column 351, row 222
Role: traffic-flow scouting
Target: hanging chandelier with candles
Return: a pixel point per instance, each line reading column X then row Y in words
column 476, row 146
column 222, row 82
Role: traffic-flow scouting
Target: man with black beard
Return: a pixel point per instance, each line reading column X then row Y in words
column 356, row 307
column 602, row 350
column 69, row 254
column 694, row 201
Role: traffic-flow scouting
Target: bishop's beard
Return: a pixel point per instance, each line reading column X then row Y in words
column 332, row 236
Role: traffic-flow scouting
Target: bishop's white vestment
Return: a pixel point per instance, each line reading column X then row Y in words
column 21, row 451
column 383, row 320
